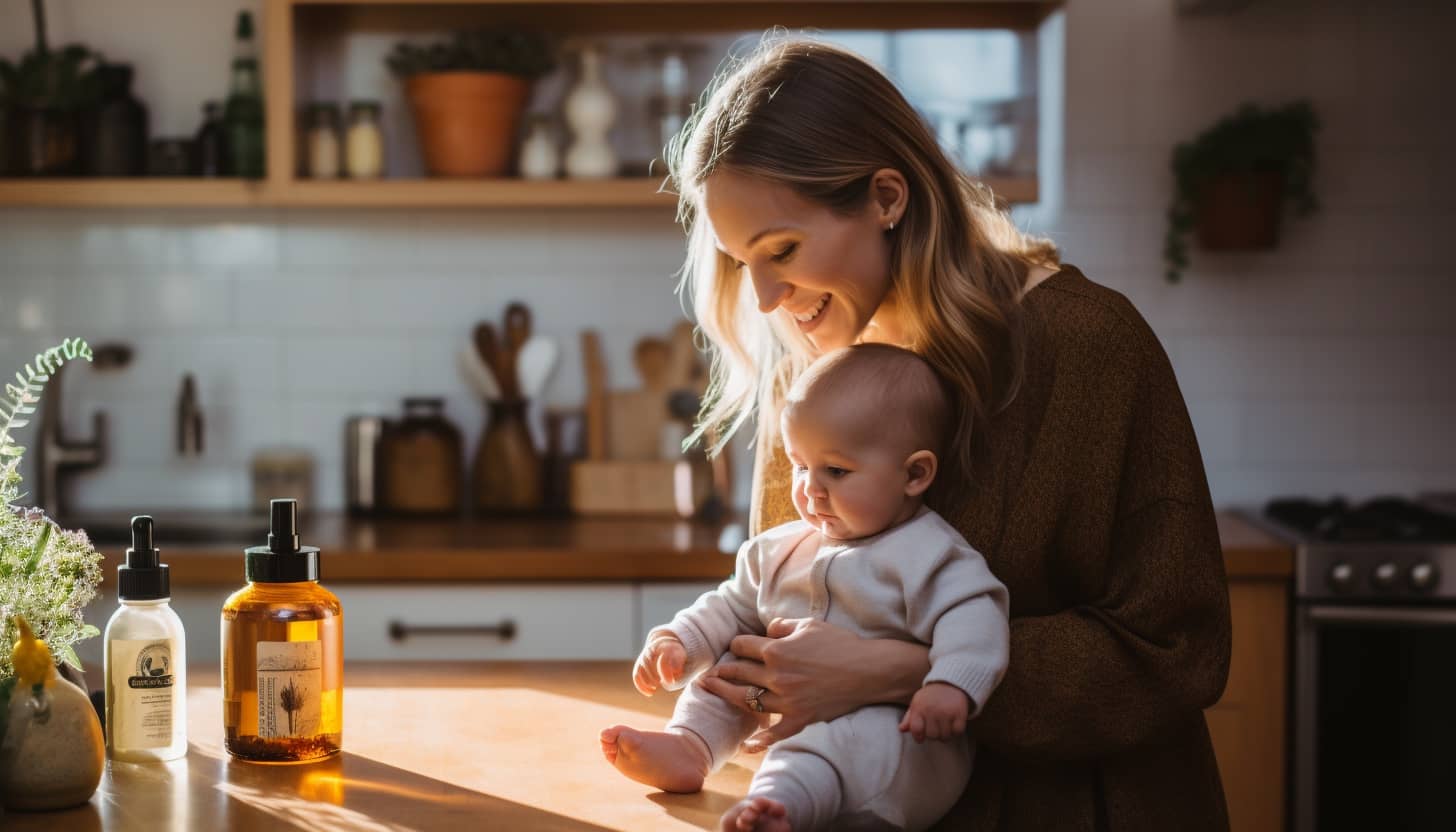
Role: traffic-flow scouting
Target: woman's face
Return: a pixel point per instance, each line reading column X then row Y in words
column 825, row 273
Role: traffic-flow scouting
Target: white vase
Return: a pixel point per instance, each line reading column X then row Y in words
column 540, row 158
column 590, row 108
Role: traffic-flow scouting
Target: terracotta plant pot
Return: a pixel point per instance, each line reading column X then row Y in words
column 467, row 121
column 1239, row 212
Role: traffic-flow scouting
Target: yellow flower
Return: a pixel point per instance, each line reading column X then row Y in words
column 30, row 658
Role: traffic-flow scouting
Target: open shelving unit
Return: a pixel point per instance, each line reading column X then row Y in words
column 290, row 26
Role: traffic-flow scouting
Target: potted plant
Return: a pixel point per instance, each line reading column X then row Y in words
column 1231, row 181
column 468, row 95
column 44, row 95
column 54, row 753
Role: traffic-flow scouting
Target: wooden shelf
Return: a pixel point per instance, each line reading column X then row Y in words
column 129, row 193
column 480, row 193
column 289, row 26
column 398, row 193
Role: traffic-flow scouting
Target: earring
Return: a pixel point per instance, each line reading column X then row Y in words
column 892, row 226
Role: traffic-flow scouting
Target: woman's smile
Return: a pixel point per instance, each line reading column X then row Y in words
column 809, row 319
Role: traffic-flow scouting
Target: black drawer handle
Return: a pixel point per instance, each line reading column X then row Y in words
column 505, row 630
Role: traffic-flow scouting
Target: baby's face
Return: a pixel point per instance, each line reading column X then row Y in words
column 846, row 484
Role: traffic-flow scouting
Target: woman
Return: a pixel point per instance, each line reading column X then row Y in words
column 821, row 212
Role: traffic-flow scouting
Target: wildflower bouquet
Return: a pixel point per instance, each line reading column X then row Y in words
column 47, row 574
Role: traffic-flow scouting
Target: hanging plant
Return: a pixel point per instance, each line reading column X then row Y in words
column 1231, row 181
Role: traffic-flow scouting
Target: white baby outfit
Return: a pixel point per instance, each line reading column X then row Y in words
column 918, row 581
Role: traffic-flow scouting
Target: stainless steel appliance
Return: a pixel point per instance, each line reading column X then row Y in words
column 1374, row 656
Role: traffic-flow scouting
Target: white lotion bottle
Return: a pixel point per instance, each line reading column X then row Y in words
column 146, row 659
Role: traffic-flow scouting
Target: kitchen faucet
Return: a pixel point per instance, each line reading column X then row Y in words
column 56, row 455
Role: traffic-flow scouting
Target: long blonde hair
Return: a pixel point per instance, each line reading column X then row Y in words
column 821, row 120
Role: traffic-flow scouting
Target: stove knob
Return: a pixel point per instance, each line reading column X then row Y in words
column 1424, row 576
column 1385, row 575
column 1341, row 577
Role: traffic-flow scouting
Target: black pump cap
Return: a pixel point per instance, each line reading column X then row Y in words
column 283, row 560
column 143, row 577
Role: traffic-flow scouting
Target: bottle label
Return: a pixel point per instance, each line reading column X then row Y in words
column 290, row 685
column 143, row 684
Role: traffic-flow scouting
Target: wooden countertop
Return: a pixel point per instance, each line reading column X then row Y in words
column 361, row 550
column 479, row 746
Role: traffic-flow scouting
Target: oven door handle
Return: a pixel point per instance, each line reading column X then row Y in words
column 1379, row 616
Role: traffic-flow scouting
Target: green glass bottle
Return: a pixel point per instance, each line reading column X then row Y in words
column 242, row 116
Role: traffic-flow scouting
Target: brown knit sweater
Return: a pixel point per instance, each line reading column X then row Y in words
column 1092, row 506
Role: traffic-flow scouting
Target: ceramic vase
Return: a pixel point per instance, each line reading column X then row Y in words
column 590, row 108
column 53, row 753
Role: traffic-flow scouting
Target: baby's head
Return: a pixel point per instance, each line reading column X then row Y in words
column 863, row 427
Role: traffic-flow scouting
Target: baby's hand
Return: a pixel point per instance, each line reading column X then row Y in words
column 938, row 711
column 660, row 663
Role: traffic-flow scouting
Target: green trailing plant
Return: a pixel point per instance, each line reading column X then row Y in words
column 511, row 51
column 47, row 574
column 1251, row 140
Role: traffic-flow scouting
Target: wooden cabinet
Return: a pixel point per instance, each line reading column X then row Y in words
column 1248, row 723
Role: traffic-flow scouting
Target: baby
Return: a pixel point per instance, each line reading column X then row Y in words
column 863, row 427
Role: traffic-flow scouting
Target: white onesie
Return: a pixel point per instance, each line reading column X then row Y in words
column 918, row 581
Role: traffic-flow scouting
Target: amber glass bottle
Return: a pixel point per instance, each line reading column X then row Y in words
column 282, row 653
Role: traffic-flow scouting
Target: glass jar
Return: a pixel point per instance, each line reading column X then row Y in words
column 421, row 460
column 323, row 140
column 364, row 142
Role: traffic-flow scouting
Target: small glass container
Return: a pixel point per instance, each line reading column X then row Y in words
column 364, row 141
column 323, row 140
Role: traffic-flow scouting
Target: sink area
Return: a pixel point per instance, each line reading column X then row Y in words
column 196, row 527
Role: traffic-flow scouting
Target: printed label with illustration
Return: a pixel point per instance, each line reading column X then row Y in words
column 144, row 684
column 290, row 685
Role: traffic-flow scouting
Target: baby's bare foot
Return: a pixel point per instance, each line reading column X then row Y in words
column 755, row 814
column 671, row 762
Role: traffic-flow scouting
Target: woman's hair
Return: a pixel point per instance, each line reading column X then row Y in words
column 821, row 121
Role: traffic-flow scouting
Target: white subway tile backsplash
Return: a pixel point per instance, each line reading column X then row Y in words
column 344, row 364
column 381, row 242
column 225, row 240
column 1328, row 432
column 27, row 302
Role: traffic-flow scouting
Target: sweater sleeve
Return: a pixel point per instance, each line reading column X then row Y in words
column 706, row 627
column 960, row 609
column 1144, row 639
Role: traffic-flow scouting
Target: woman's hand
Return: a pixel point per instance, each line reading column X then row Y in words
column 813, row 671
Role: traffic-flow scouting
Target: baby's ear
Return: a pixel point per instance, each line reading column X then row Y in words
column 920, row 468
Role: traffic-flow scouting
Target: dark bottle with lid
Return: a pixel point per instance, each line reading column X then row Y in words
column 209, row 147
column 282, row 653
column 114, row 132
column 421, row 460
column 146, row 659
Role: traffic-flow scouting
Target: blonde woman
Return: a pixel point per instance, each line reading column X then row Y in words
column 821, row 212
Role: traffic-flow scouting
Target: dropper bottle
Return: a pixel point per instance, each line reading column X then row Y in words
column 146, row 659
column 282, row 653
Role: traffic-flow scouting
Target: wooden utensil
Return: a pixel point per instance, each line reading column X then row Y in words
column 652, row 355
column 489, row 348
column 479, row 374
column 681, row 372
column 596, row 394
column 517, row 333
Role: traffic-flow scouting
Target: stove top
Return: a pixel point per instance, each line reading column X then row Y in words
column 1387, row 550
column 1380, row 520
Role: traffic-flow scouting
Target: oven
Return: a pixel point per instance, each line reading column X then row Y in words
column 1373, row 694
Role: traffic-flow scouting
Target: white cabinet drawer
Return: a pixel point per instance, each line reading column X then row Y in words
column 657, row 603
column 467, row 622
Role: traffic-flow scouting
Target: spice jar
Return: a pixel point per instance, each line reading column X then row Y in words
column 364, row 142
column 323, row 140
column 421, row 464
